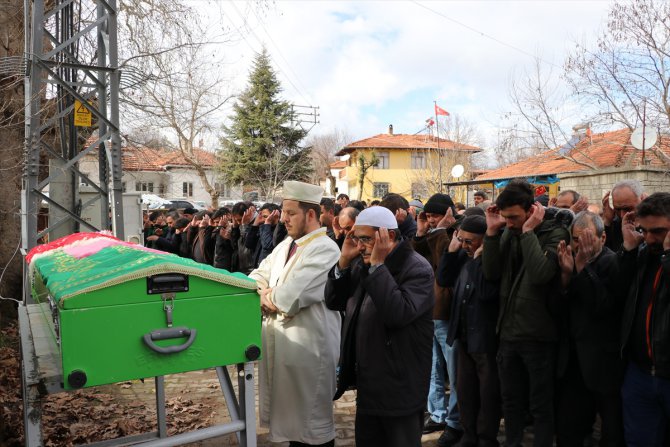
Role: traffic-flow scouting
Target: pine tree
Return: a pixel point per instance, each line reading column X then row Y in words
column 261, row 148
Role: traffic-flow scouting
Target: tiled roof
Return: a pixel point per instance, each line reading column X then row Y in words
column 603, row 150
column 338, row 164
column 147, row 159
column 405, row 141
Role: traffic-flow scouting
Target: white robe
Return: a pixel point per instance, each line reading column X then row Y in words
column 301, row 344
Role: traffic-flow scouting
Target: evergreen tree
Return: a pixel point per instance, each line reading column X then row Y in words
column 260, row 148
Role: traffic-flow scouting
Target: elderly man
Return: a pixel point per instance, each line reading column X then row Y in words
column 344, row 223
column 644, row 263
column 474, row 311
column 386, row 289
column 626, row 195
column 590, row 369
column 301, row 337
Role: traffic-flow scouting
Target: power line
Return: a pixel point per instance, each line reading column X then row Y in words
column 261, row 43
column 483, row 34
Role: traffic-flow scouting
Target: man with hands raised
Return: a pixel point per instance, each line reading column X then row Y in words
column 434, row 228
column 520, row 252
column 590, row 368
column 644, row 264
column 386, row 348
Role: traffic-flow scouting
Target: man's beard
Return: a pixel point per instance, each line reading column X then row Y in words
column 655, row 249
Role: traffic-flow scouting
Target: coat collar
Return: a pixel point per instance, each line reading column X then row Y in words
column 397, row 258
column 309, row 237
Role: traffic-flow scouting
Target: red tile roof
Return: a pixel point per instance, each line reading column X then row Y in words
column 147, row 159
column 338, row 164
column 405, row 141
column 603, row 150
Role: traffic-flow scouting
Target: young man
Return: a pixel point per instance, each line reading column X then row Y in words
column 523, row 258
column 301, row 337
column 385, row 288
column 434, row 228
column 644, row 265
column 474, row 311
column 479, row 197
column 590, row 369
column 399, row 206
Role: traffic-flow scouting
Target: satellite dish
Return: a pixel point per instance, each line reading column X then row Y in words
column 457, row 171
column 643, row 138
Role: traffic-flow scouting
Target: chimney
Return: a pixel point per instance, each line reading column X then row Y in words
column 390, row 129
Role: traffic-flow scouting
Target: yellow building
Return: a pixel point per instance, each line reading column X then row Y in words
column 408, row 165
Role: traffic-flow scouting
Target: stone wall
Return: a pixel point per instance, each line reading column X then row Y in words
column 594, row 184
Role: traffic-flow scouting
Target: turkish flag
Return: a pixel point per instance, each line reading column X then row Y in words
column 429, row 122
column 440, row 111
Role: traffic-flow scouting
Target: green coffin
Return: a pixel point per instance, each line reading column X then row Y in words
column 124, row 312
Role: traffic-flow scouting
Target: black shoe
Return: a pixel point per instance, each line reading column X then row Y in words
column 430, row 426
column 449, row 437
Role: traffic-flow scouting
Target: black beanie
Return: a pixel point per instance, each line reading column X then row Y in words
column 474, row 211
column 474, row 224
column 438, row 204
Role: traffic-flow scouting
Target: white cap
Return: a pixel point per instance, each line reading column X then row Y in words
column 302, row 192
column 377, row 216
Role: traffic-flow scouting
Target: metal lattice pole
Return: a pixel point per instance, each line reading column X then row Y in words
column 72, row 69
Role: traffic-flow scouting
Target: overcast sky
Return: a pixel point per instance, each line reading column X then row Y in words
column 370, row 64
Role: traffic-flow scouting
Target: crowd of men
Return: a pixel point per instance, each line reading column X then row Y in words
column 543, row 311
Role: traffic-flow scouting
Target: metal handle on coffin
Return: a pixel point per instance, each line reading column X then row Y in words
column 166, row 334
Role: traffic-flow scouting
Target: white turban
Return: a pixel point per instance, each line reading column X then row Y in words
column 377, row 216
column 302, row 192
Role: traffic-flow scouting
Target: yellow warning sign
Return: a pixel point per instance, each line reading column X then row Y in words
column 82, row 116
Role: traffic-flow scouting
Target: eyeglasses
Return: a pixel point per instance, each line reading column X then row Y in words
column 365, row 240
column 465, row 241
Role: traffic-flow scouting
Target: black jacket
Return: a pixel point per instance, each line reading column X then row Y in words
column 472, row 294
column 408, row 227
column 387, row 333
column 592, row 310
column 632, row 266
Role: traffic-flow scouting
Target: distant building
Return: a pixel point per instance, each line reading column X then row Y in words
column 165, row 173
column 592, row 166
column 408, row 165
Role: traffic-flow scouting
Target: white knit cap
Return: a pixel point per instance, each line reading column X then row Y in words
column 377, row 216
column 302, row 192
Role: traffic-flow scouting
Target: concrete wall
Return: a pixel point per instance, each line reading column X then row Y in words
column 595, row 184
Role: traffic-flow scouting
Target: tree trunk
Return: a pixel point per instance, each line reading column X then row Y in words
column 11, row 154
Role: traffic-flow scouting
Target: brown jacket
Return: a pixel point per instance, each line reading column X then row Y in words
column 431, row 247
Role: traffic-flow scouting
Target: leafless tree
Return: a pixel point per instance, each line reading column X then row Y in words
column 364, row 164
column 323, row 152
column 175, row 82
column 628, row 68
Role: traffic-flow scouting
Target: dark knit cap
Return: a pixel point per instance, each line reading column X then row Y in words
column 474, row 211
column 438, row 204
column 474, row 224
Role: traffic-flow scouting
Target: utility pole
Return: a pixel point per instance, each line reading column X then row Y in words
column 305, row 117
column 72, row 88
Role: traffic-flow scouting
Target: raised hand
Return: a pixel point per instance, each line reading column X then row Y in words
column 631, row 237
column 248, row 215
column 535, row 218
column 400, row 215
column 587, row 249
column 553, row 201
column 455, row 244
column 383, row 246
column 666, row 242
column 259, row 220
column 421, row 225
column 337, row 229
column 349, row 253
column 580, row 205
column 273, row 218
column 494, row 221
column 608, row 211
column 566, row 262
column 448, row 220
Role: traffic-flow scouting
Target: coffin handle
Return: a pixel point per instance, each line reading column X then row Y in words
column 165, row 334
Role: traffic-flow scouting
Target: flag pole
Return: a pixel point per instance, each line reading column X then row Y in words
column 439, row 153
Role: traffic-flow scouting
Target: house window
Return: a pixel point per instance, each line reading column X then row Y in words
column 144, row 186
column 383, row 162
column 187, row 189
column 419, row 190
column 380, row 189
column 418, row 161
column 223, row 189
